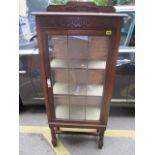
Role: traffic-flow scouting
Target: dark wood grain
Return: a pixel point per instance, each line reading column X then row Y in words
column 77, row 23
column 43, row 69
column 76, row 125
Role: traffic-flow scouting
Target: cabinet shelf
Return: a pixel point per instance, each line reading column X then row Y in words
column 77, row 90
column 77, row 64
column 78, row 112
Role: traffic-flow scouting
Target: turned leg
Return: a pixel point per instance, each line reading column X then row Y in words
column 100, row 141
column 54, row 140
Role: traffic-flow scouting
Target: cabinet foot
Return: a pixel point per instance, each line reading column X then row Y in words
column 54, row 139
column 100, row 143
column 54, row 142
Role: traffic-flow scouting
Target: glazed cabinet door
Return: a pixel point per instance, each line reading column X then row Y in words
column 77, row 69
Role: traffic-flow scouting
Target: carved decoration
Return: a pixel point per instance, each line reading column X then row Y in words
column 80, row 7
column 72, row 22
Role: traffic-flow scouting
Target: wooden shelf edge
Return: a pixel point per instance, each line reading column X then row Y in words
column 74, row 64
column 78, row 90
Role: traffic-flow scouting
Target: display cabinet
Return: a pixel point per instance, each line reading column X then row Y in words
column 78, row 45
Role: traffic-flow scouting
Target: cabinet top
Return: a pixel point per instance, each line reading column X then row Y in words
column 79, row 9
column 80, row 14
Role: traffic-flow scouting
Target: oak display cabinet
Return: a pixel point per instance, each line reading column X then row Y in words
column 78, row 45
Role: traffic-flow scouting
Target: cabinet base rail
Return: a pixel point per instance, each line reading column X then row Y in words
column 76, row 125
column 77, row 132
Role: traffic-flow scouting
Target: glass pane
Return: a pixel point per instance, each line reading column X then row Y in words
column 59, row 75
column 78, row 70
column 59, row 47
column 98, row 50
column 77, row 108
column 61, row 106
column 78, row 64
column 93, row 107
column 78, row 48
column 98, row 47
column 96, row 77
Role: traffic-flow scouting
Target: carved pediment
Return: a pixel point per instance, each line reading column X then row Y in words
column 80, row 7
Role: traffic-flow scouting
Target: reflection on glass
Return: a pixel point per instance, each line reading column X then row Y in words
column 77, row 108
column 61, row 106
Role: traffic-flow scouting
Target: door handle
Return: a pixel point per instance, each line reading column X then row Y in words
column 22, row 72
